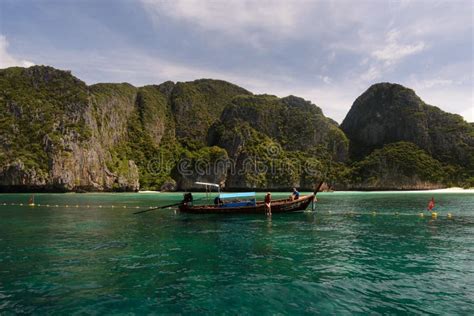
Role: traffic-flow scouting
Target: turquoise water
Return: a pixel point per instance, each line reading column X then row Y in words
column 341, row 260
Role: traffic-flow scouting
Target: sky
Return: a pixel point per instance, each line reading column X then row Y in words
column 328, row 52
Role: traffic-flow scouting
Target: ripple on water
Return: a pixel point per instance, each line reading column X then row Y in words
column 110, row 245
column 112, row 262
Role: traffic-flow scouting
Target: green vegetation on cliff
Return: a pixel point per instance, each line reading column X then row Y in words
column 278, row 143
column 296, row 124
column 39, row 106
column 197, row 105
column 148, row 137
column 398, row 165
column 388, row 113
column 57, row 133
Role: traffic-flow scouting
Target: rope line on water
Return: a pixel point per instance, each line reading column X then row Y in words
column 348, row 213
column 53, row 205
column 397, row 214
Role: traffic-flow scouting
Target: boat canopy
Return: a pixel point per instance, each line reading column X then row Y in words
column 237, row 195
column 209, row 184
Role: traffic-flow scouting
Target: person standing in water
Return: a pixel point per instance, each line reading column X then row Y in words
column 431, row 205
column 268, row 202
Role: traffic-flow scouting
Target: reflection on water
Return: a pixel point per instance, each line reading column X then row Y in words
column 353, row 255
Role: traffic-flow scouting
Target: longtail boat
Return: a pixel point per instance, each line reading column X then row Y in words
column 245, row 203
column 246, row 207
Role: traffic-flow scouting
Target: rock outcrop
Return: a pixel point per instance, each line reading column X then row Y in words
column 58, row 134
column 388, row 113
column 277, row 143
column 398, row 166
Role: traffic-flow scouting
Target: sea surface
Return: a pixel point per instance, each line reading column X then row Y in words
column 359, row 253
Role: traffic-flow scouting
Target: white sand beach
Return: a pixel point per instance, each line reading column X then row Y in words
column 450, row 190
column 446, row 190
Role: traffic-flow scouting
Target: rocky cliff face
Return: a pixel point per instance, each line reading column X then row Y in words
column 398, row 166
column 388, row 113
column 58, row 134
column 197, row 105
column 277, row 143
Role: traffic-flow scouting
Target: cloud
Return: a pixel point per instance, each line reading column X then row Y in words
column 468, row 114
column 374, row 72
column 378, row 60
column 394, row 51
column 7, row 60
column 230, row 16
column 451, row 99
column 430, row 83
column 448, row 87
column 328, row 52
column 251, row 22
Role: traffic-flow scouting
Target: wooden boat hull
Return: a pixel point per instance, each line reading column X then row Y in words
column 277, row 206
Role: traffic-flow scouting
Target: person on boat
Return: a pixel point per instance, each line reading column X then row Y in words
column 295, row 195
column 188, row 198
column 268, row 202
column 217, row 201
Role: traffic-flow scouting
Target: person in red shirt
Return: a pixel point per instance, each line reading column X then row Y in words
column 431, row 205
column 268, row 202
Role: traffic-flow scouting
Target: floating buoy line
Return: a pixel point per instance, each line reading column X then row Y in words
column 433, row 215
column 31, row 205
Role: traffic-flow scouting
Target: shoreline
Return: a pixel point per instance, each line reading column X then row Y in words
column 145, row 192
column 447, row 190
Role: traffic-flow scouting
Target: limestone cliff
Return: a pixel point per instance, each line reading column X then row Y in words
column 398, row 166
column 388, row 113
column 59, row 134
column 197, row 105
column 277, row 143
column 55, row 135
